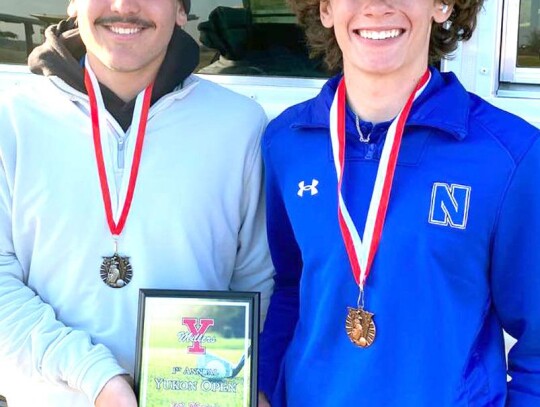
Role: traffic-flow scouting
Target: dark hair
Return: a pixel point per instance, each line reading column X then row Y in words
column 187, row 5
column 444, row 40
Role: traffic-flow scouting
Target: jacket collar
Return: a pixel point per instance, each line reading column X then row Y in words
column 432, row 109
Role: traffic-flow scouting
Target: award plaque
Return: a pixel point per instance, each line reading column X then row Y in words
column 197, row 349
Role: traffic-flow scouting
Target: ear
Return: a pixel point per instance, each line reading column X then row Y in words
column 72, row 9
column 181, row 15
column 327, row 16
column 443, row 11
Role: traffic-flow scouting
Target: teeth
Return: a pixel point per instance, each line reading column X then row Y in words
column 379, row 35
column 124, row 31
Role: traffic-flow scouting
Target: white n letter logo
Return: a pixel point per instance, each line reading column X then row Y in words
column 197, row 328
column 450, row 205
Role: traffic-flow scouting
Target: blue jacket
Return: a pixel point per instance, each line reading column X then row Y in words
column 458, row 262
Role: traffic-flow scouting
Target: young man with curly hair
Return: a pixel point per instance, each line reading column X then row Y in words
column 403, row 221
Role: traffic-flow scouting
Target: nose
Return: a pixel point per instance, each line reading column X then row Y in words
column 125, row 6
column 377, row 8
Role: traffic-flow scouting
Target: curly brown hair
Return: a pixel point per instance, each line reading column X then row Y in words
column 444, row 40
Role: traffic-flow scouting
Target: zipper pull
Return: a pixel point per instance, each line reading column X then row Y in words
column 121, row 151
column 370, row 151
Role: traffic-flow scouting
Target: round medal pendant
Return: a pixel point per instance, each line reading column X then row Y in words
column 116, row 271
column 360, row 327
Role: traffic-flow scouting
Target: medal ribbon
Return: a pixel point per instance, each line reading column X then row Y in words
column 140, row 118
column 361, row 252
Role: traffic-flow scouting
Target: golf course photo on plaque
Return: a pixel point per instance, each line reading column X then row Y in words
column 197, row 348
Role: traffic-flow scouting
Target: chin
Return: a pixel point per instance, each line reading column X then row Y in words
column 379, row 69
column 377, row 65
column 123, row 66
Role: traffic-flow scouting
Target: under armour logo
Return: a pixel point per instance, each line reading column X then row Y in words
column 311, row 188
column 450, row 205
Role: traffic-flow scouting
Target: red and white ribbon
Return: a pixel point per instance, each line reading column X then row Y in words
column 361, row 252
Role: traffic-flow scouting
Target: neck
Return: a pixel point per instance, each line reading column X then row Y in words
column 126, row 85
column 379, row 98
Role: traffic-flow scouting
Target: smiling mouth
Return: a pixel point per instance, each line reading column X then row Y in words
column 130, row 25
column 124, row 30
column 380, row 35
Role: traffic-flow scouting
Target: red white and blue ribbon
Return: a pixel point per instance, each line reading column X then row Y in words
column 361, row 252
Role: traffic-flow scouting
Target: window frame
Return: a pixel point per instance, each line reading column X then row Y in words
column 510, row 72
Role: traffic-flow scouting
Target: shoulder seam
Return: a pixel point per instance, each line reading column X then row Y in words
column 509, row 182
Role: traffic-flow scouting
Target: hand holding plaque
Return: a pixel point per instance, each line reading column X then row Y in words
column 117, row 392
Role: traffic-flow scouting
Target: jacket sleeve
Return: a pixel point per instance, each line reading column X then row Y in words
column 283, row 312
column 515, row 277
column 33, row 342
column 253, row 268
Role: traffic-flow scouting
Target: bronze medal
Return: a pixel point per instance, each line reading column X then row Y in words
column 116, row 271
column 361, row 250
column 360, row 327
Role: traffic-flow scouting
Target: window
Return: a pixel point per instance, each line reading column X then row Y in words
column 250, row 37
column 22, row 24
column 236, row 37
column 521, row 42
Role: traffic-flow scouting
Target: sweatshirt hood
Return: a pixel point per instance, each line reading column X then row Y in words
column 187, row 5
column 61, row 54
column 63, row 49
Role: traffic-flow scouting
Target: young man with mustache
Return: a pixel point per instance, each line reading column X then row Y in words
column 120, row 171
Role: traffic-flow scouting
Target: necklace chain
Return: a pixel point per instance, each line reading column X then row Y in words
column 363, row 138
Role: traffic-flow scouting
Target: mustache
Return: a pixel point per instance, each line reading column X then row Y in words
column 126, row 20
